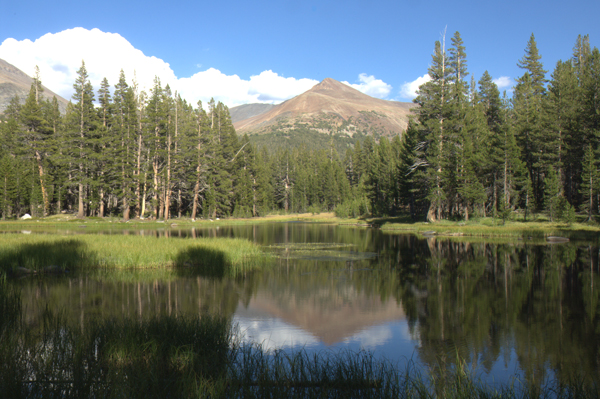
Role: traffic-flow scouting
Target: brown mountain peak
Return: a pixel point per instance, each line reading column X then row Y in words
column 332, row 106
column 327, row 84
column 338, row 90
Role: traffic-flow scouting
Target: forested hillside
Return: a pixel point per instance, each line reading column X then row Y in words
column 469, row 151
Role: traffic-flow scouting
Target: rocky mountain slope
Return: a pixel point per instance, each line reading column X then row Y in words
column 246, row 111
column 13, row 82
column 332, row 108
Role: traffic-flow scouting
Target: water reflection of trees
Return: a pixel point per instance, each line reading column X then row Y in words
column 485, row 302
column 480, row 301
column 140, row 296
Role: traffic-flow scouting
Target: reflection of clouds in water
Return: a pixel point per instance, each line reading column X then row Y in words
column 372, row 337
column 272, row 333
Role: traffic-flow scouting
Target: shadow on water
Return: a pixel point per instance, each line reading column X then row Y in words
column 203, row 262
column 57, row 257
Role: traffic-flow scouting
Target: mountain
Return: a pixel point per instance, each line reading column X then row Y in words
column 330, row 108
column 349, row 312
column 13, row 82
column 246, row 111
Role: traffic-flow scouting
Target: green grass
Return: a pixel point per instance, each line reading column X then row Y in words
column 71, row 223
column 212, row 256
column 489, row 227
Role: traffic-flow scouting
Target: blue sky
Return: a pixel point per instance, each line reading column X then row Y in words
column 267, row 51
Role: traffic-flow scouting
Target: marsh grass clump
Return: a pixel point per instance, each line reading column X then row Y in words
column 319, row 251
column 300, row 374
column 30, row 254
column 160, row 357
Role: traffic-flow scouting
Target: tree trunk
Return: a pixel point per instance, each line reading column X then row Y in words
column 38, row 157
column 80, row 202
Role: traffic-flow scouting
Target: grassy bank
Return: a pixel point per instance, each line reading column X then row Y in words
column 36, row 253
column 70, row 222
column 490, row 227
column 191, row 357
column 537, row 228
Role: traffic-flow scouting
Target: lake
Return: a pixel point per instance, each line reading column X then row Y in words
column 505, row 307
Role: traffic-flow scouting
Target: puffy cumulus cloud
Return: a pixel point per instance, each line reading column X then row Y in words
column 267, row 87
column 371, row 86
column 212, row 83
column 409, row 89
column 503, row 82
column 373, row 337
column 272, row 333
column 59, row 57
column 272, row 88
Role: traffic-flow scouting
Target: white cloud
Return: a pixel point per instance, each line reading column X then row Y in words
column 371, row 86
column 272, row 333
column 274, row 88
column 267, row 87
column 373, row 337
column 503, row 82
column 59, row 57
column 409, row 89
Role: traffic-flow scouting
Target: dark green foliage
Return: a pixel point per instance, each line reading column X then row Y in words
column 553, row 201
column 468, row 152
column 589, row 181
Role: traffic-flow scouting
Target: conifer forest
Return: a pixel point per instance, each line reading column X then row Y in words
column 469, row 151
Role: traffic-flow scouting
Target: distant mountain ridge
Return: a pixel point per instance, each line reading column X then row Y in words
column 246, row 111
column 14, row 82
column 331, row 107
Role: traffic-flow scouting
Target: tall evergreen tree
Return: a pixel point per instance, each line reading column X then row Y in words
column 589, row 181
column 36, row 136
column 86, row 125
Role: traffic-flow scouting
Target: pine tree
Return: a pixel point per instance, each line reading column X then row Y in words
column 412, row 184
column 560, row 131
column 86, row 125
column 157, row 124
column 37, row 133
column 532, row 64
column 264, row 182
column 202, row 143
column 527, row 106
column 527, row 117
column 8, row 190
column 589, row 182
column 283, row 179
column 221, row 170
column 106, row 143
column 433, row 99
column 552, row 199
column 245, row 180
column 581, row 51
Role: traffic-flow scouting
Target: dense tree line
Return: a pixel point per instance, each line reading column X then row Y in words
column 471, row 150
column 135, row 154
column 468, row 151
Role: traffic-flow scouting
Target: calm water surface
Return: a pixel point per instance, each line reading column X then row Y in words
column 507, row 308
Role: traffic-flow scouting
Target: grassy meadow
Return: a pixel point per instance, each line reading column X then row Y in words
column 515, row 226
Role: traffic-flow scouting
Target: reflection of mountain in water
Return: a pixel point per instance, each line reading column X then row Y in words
column 330, row 317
